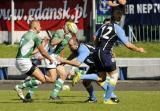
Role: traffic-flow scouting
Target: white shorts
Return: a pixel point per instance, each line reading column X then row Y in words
column 23, row 64
column 55, row 61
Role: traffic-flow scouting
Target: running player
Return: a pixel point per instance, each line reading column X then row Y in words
column 28, row 43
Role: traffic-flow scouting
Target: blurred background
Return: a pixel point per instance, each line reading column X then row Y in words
column 141, row 21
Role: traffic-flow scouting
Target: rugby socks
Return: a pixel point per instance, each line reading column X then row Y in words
column 90, row 90
column 31, row 90
column 113, row 95
column 108, row 92
column 57, row 87
column 90, row 77
column 30, row 83
column 111, row 86
column 104, row 85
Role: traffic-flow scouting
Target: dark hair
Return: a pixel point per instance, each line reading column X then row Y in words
column 117, row 14
column 108, row 18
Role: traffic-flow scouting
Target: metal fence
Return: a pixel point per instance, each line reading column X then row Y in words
column 144, row 33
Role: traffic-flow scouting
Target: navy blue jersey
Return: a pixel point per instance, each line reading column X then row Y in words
column 106, row 37
column 89, row 60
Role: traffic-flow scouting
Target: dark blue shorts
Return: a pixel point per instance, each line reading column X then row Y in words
column 104, row 61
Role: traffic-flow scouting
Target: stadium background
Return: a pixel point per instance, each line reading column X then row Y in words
column 141, row 24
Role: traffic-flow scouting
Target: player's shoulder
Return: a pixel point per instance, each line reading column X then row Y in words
column 59, row 31
column 29, row 34
column 116, row 26
column 83, row 47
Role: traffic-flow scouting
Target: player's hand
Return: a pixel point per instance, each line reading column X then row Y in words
column 60, row 59
column 141, row 50
column 51, row 61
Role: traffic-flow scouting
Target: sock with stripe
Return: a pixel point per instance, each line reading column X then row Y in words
column 29, row 84
column 90, row 90
column 109, row 90
column 57, row 87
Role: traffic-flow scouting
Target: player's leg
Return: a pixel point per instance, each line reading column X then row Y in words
column 79, row 75
column 40, row 78
column 25, row 66
column 92, row 98
column 110, row 87
column 59, row 82
column 100, row 78
column 107, row 64
column 28, row 97
column 51, row 74
column 103, row 82
column 27, row 84
column 104, row 85
column 32, row 89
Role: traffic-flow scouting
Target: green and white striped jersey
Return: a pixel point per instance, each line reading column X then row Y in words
column 28, row 43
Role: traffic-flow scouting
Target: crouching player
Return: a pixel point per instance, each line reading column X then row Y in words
column 83, row 54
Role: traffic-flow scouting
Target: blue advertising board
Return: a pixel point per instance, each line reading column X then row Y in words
column 142, row 12
column 102, row 11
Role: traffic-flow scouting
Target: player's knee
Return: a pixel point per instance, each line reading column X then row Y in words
column 114, row 79
column 86, row 83
column 52, row 80
column 63, row 76
column 60, row 68
column 101, row 79
column 43, row 80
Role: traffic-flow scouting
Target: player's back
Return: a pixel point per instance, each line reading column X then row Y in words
column 106, row 37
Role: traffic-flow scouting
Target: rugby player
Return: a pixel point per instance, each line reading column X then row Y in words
column 28, row 43
column 82, row 53
column 105, row 63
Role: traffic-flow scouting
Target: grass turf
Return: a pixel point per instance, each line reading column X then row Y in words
column 73, row 101
column 8, row 51
column 152, row 50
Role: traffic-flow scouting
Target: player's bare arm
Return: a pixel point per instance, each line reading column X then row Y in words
column 73, row 62
column 134, row 48
column 44, row 53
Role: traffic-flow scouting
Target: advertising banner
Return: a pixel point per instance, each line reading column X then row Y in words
column 52, row 14
column 103, row 10
column 142, row 12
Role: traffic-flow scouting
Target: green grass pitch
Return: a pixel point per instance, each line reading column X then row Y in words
column 73, row 101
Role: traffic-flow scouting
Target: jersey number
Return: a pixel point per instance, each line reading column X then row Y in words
column 107, row 32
